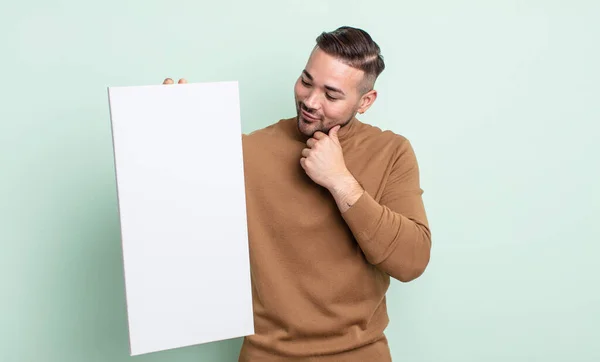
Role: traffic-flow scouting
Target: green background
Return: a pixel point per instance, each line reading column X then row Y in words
column 499, row 98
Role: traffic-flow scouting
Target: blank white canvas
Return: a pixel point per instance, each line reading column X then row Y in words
column 182, row 207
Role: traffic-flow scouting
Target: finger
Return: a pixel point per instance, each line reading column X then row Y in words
column 319, row 135
column 303, row 163
column 311, row 142
column 168, row 81
column 333, row 133
column 306, row 152
column 182, row 81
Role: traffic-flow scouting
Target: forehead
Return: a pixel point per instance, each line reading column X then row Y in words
column 328, row 70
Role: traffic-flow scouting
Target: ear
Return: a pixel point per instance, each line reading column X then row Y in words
column 367, row 100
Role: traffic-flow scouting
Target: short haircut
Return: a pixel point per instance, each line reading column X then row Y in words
column 356, row 48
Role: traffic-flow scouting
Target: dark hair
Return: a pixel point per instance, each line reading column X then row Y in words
column 356, row 48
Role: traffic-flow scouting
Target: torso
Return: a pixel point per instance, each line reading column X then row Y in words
column 312, row 286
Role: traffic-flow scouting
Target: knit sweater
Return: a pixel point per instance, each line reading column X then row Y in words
column 320, row 276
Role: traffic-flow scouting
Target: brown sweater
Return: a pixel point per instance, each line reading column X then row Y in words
column 319, row 277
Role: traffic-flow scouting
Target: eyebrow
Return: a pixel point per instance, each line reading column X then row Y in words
column 333, row 89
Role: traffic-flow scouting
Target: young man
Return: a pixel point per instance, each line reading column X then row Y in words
column 334, row 209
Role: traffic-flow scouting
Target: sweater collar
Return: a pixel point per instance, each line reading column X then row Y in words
column 349, row 129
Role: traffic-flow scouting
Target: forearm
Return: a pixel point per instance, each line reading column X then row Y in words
column 398, row 245
column 392, row 231
column 346, row 191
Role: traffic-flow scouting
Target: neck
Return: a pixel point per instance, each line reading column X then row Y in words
column 348, row 129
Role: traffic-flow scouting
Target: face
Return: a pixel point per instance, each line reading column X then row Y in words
column 328, row 93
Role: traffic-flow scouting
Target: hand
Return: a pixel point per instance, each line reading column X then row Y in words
column 323, row 159
column 170, row 81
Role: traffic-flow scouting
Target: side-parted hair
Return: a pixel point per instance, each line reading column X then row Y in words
column 356, row 48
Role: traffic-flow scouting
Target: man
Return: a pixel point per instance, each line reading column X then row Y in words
column 334, row 209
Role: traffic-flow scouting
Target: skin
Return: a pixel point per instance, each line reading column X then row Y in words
column 328, row 94
column 331, row 92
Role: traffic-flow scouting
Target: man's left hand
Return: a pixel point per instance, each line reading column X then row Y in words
column 323, row 159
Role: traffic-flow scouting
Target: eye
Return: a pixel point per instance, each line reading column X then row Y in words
column 331, row 98
column 304, row 83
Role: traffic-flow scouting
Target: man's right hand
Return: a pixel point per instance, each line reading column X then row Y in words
column 170, row 81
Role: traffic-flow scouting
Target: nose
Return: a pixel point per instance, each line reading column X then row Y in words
column 312, row 101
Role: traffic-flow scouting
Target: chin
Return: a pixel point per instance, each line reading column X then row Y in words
column 306, row 128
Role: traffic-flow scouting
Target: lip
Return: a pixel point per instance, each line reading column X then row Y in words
column 308, row 117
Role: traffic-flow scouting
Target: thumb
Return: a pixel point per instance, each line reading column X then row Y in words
column 333, row 133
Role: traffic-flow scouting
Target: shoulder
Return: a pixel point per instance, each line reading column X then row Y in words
column 385, row 140
column 402, row 161
column 268, row 140
column 274, row 129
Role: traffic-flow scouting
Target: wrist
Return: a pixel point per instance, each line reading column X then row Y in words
column 346, row 190
column 341, row 183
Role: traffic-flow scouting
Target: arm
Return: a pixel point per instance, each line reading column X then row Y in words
column 393, row 233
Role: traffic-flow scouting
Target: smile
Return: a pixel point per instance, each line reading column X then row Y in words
column 308, row 116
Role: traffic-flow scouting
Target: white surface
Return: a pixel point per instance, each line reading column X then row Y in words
column 180, row 181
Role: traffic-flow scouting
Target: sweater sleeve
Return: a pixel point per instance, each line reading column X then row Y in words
column 394, row 233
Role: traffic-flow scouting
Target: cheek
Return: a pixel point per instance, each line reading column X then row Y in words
column 336, row 112
column 299, row 91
